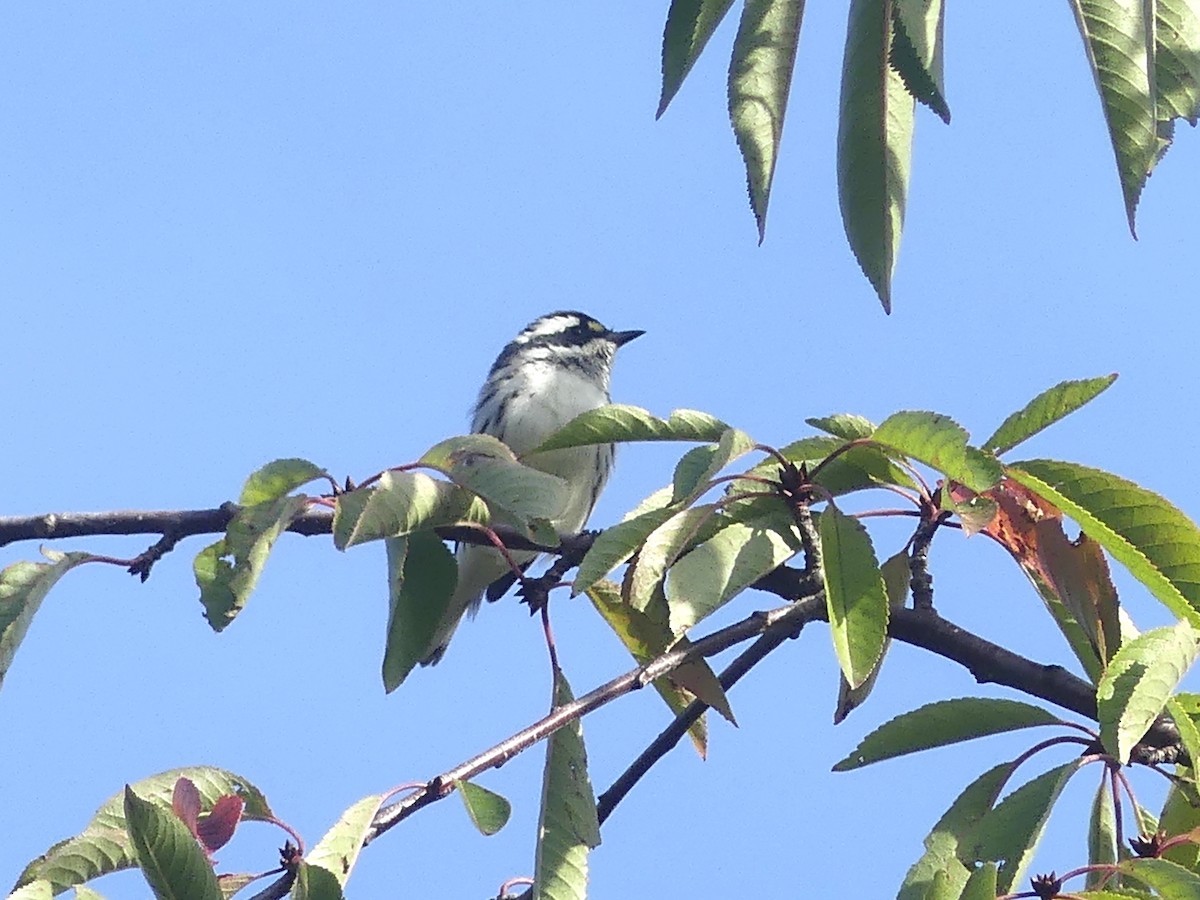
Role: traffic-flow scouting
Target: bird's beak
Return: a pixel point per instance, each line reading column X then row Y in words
column 621, row 338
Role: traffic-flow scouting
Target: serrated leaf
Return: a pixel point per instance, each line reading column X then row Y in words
column 874, row 145
column 722, row 567
column 856, row 469
column 315, row 883
column 847, row 426
column 1139, row 680
column 1118, row 40
column 422, row 574
column 941, row 723
column 1044, row 410
column 939, row 442
column 487, row 467
column 488, row 811
column 618, row 423
column 227, row 571
column 278, row 479
column 700, row 464
column 854, row 594
column 338, row 849
column 35, row 890
column 948, row 844
column 896, row 576
column 1010, row 833
column 916, row 53
column 616, row 545
column 690, row 23
column 23, row 587
column 399, row 504
column 104, row 847
column 760, row 77
column 1170, row 880
column 1176, row 66
column 1102, row 836
column 1154, row 540
column 567, row 824
column 661, row 548
column 171, row 859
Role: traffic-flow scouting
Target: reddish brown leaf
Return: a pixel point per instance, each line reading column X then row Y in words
column 185, row 801
column 217, row 827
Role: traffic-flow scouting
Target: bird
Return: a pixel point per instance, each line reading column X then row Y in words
column 556, row 368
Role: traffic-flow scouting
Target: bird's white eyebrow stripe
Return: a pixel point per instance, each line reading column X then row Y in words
column 545, row 327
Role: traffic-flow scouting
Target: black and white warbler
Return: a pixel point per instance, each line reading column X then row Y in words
column 558, row 367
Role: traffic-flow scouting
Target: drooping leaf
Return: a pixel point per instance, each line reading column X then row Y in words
column 982, row 884
column 1010, row 833
column 941, row 723
column 23, row 587
column 896, row 577
column 760, row 77
column 662, row 547
column 399, row 504
column 874, row 145
column 489, row 812
column 104, row 847
column 722, row 567
column 1102, row 837
column 422, row 574
column 945, row 863
column 487, row 467
column 1176, row 66
column 170, row 858
column 1044, row 410
column 917, row 51
column 690, row 23
column 227, row 571
column 1142, row 676
column 1154, row 540
column 278, row 479
column 338, row 849
column 939, row 442
column 854, row 594
column 618, row 423
column 1118, row 40
column 567, row 824
column 1180, row 816
column 1189, row 730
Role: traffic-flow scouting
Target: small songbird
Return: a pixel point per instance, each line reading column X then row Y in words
column 558, row 367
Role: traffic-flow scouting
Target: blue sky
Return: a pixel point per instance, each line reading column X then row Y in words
column 239, row 232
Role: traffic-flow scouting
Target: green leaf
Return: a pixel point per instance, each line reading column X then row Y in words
column 315, row 883
column 896, row 576
column 278, row 479
column 399, row 504
column 487, row 467
column 489, row 812
column 855, row 469
column 227, row 571
column 1117, row 38
column 618, row 423
column 338, row 849
column 1179, row 816
column 23, row 587
column 35, row 890
column 567, row 824
column 725, row 565
column 616, row 545
column 1176, row 66
column 422, row 574
column 1010, row 833
column 760, row 77
column 848, row 426
column 1189, row 732
column 104, row 846
column 941, row 723
column 700, row 464
column 874, row 145
column 1157, row 543
column 854, row 594
column 1139, row 680
column 662, row 547
column 1102, row 837
column 939, row 442
column 982, row 884
column 916, row 54
column 1044, row 410
column 1170, row 880
column 690, row 23
column 171, row 859
column 948, row 844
